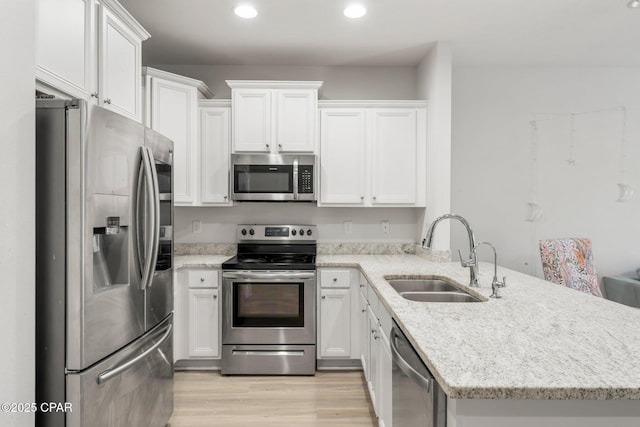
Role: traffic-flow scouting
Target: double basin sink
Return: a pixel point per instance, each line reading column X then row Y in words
column 430, row 290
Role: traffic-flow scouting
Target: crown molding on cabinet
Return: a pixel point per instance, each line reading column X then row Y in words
column 126, row 17
column 273, row 84
column 154, row 72
column 220, row 103
column 364, row 103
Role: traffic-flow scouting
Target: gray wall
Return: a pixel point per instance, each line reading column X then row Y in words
column 17, row 211
column 492, row 161
column 339, row 82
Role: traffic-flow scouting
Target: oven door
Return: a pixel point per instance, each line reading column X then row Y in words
column 268, row 307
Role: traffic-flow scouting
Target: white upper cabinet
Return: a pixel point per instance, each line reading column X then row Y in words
column 120, row 64
column 273, row 116
column 296, row 112
column 215, row 138
column 373, row 153
column 91, row 50
column 342, row 148
column 394, row 149
column 251, row 120
column 64, row 45
column 172, row 109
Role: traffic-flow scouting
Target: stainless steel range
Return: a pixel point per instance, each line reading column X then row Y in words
column 269, row 302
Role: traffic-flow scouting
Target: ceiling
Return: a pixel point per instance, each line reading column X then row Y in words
column 393, row 33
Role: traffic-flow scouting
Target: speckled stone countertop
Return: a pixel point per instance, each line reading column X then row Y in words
column 540, row 341
column 199, row 261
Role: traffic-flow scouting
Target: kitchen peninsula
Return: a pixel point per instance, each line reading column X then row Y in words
column 541, row 354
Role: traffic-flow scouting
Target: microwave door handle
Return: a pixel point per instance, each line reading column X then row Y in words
column 156, row 215
column 149, row 219
column 295, row 179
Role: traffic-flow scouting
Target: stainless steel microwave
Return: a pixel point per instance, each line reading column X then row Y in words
column 273, row 177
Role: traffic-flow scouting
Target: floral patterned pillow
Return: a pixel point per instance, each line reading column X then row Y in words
column 569, row 262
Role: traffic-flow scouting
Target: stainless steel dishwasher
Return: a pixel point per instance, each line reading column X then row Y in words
column 418, row 400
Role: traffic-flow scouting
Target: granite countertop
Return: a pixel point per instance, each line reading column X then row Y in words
column 540, row 341
column 199, row 261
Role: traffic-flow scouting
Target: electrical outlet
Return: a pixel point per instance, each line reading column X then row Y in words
column 385, row 226
column 348, row 227
column 196, row 226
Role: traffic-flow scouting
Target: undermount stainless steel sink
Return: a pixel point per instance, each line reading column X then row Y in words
column 422, row 285
column 430, row 290
column 439, row 296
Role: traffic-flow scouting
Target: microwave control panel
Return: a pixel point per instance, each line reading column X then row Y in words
column 305, row 179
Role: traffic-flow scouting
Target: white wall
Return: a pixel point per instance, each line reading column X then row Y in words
column 434, row 85
column 17, row 210
column 339, row 82
column 219, row 224
column 492, row 166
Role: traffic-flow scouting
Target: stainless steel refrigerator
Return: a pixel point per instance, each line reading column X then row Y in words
column 104, row 268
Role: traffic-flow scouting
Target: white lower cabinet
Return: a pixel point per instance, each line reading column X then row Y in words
column 338, row 315
column 335, row 315
column 197, row 313
column 385, row 386
column 204, row 340
column 376, row 353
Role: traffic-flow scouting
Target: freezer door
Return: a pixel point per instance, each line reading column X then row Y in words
column 105, row 305
column 134, row 387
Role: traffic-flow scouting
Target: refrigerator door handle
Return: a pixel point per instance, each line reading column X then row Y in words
column 156, row 215
column 146, row 175
column 105, row 376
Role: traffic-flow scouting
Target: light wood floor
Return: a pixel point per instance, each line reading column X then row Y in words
column 326, row 399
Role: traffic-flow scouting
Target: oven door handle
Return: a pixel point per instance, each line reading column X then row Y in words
column 268, row 275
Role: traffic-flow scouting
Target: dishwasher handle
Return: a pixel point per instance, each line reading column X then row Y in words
column 404, row 366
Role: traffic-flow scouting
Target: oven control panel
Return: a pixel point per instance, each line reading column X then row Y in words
column 289, row 233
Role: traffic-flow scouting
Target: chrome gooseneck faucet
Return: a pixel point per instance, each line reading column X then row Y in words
column 472, row 261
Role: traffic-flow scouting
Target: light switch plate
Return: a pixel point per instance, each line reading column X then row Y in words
column 196, row 225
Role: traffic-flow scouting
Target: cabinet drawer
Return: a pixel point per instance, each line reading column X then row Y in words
column 202, row 278
column 335, row 279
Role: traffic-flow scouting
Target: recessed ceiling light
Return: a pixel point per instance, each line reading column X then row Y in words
column 634, row 4
column 356, row 11
column 245, row 11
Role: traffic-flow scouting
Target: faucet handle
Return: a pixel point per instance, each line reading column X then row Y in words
column 504, row 281
column 466, row 262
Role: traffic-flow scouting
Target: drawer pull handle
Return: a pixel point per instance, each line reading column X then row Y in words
column 202, row 279
column 335, row 279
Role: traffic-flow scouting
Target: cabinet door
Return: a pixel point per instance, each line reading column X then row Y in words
column 394, row 156
column 365, row 336
column 342, row 149
column 120, row 66
column 374, row 355
column 251, row 120
column 214, row 146
column 296, row 120
column 335, row 323
column 385, row 366
column 173, row 114
column 63, row 45
column 204, row 339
